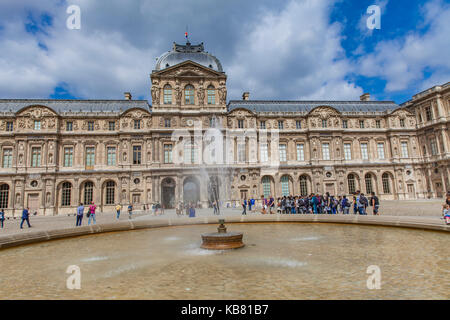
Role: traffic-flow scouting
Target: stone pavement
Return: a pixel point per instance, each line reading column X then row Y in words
column 419, row 208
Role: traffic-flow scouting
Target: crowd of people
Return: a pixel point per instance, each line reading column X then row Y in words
column 316, row 204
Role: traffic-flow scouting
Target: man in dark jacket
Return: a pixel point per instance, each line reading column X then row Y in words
column 25, row 217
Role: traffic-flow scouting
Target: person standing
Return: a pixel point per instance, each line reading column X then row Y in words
column 130, row 210
column 2, row 217
column 80, row 213
column 118, row 208
column 25, row 217
column 191, row 211
column 375, row 203
column 244, row 206
column 92, row 208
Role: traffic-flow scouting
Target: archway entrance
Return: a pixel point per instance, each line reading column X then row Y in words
column 168, row 193
column 191, row 191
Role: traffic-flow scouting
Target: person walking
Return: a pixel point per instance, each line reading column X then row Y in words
column 130, row 211
column 244, row 206
column 80, row 213
column 252, row 203
column 2, row 217
column 91, row 212
column 345, row 204
column 118, row 208
column 375, row 203
column 25, row 217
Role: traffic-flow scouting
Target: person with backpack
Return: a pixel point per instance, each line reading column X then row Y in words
column 345, row 204
column 80, row 213
column 375, row 203
column 362, row 203
column 130, row 210
column 91, row 213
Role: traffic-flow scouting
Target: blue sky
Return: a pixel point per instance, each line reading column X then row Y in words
column 287, row 50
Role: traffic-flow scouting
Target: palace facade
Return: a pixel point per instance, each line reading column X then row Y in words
column 58, row 153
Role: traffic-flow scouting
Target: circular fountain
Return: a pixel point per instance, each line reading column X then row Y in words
column 222, row 240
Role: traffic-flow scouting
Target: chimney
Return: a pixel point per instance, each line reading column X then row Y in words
column 127, row 96
column 365, row 97
column 246, row 96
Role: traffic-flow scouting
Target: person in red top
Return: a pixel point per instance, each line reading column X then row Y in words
column 91, row 213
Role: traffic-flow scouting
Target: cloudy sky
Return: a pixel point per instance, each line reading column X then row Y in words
column 289, row 50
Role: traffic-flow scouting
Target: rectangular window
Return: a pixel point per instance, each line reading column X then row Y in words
column 434, row 149
column 347, row 151
column 402, row 123
column 137, row 124
column 36, row 157
column 7, row 158
column 111, row 156
column 37, row 125
column 168, row 95
column 90, row 125
column 69, row 126
column 241, row 152
column 9, row 126
column 68, row 157
column 136, row 154
column 326, row 151
column 361, row 124
column 428, row 113
column 300, row 152
column 240, row 124
column 298, row 124
column 167, row 153
column 262, row 124
column 280, row 124
column 378, row 124
column 324, row 123
column 345, row 124
column 90, row 156
column 167, row 123
column 364, row 151
column 212, row 122
column 112, row 126
column 380, row 148
column 264, row 152
column 282, row 148
column 404, row 146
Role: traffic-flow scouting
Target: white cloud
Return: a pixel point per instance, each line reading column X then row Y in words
column 403, row 62
column 293, row 54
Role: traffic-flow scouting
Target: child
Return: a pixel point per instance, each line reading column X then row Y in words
column 446, row 213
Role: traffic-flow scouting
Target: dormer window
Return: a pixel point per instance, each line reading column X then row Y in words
column 37, row 125
column 189, row 94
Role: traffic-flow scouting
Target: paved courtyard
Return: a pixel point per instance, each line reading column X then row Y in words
column 423, row 208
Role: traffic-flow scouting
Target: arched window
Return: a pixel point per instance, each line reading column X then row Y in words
column 4, row 196
column 368, row 180
column 266, row 186
column 88, row 192
column 285, row 186
column 386, row 184
column 66, row 194
column 303, row 186
column 110, row 192
column 189, row 94
column 190, row 152
column 351, row 183
column 167, row 94
column 211, row 95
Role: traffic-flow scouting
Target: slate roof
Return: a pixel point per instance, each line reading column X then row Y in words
column 306, row 106
column 63, row 106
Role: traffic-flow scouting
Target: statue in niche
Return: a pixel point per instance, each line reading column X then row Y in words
column 49, row 197
column 155, row 95
column 178, row 94
column 124, row 156
column 50, row 158
column 223, row 94
column 18, row 198
column 20, row 158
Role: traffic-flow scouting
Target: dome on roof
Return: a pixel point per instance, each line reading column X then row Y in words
column 181, row 53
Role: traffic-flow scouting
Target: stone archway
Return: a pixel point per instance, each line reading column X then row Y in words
column 168, row 193
column 191, row 191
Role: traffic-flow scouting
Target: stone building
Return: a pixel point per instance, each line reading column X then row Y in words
column 192, row 145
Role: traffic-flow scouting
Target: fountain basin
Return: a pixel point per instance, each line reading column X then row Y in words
column 222, row 241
